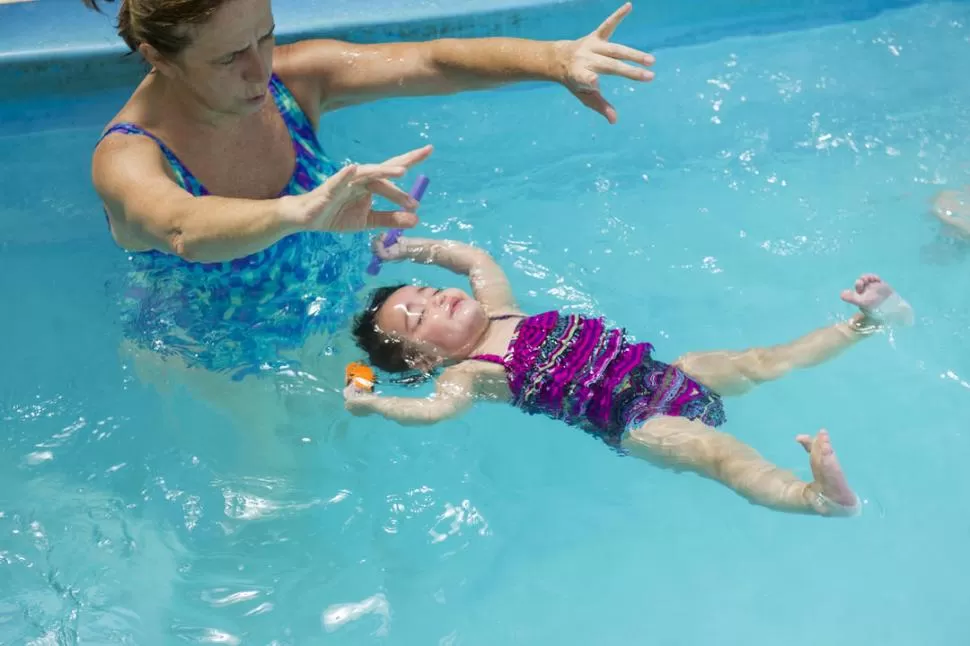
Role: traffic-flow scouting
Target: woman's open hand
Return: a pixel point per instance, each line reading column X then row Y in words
column 583, row 62
column 345, row 201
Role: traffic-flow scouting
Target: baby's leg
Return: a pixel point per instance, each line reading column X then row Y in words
column 685, row 445
column 735, row 373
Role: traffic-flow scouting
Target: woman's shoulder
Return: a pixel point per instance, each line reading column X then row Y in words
column 137, row 116
column 117, row 153
column 137, row 110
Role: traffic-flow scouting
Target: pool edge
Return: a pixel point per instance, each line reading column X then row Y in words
column 100, row 61
column 96, row 65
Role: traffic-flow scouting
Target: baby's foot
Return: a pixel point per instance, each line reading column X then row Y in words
column 831, row 495
column 878, row 301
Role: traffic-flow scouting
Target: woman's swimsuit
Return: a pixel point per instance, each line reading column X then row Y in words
column 576, row 369
column 237, row 316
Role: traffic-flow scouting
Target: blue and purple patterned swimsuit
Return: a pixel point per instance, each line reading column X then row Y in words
column 237, row 316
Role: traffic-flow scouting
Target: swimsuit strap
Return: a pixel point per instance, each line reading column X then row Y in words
column 183, row 174
column 313, row 166
column 490, row 358
column 297, row 122
column 494, row 358
column 129, row 128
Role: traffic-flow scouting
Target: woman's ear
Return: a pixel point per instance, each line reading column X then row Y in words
column 154, row 58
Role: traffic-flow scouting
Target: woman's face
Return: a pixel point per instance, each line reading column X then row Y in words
column 229, row 61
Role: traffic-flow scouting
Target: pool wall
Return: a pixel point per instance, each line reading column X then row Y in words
column 60, row 47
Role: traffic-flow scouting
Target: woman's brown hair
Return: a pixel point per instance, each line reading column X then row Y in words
column 163, row 24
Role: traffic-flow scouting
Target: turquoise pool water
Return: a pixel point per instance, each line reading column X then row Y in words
column 739, row 193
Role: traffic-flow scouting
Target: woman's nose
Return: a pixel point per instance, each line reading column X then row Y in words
column 255, row 70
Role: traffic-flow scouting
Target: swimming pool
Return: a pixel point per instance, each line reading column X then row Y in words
column 739, row 193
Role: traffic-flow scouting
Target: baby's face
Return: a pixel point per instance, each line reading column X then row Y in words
column 441, row 323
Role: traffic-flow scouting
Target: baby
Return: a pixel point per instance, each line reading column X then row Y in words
column 578, row 370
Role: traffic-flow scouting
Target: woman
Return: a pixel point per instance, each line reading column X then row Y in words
column 224, row 195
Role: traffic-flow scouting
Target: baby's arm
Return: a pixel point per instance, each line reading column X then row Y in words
column 454, row 394
column 489, row 283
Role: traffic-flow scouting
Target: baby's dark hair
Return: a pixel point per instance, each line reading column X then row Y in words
column 382, row 351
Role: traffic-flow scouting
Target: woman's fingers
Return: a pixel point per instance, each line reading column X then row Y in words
column 374, row 178
column 391, row 220
column 392, row 192
column 613, row 67
column 605, row 30
column 622, row 52
column 410, row 158
column 342, row 178
column 368, row 172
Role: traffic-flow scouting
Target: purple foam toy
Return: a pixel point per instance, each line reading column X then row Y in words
column 417, row 192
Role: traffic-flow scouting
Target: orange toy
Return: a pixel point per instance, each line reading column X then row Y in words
column 360, row 375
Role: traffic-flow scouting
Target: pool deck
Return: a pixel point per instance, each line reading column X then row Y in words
column 57, row 46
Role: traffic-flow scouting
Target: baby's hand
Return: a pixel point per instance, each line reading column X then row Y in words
column 391, row 253
column 358, row 401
